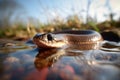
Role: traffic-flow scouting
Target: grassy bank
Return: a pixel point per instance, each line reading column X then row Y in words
column 27, row 31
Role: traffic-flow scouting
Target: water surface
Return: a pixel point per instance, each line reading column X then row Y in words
column 22, row 61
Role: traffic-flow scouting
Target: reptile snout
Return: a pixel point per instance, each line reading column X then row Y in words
column 38, row 36
column 44, row 37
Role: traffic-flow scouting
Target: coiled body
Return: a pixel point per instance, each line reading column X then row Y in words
column 77, row 39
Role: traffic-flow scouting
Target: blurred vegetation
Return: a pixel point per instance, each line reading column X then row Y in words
column 25, row 29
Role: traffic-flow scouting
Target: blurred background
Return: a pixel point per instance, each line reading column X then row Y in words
column 23, row 19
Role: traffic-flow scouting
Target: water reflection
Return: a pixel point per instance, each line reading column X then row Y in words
column 46, row 58
column 78, row 65
column 61, row 64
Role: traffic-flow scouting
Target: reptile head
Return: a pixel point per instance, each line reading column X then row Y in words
column 47, row 40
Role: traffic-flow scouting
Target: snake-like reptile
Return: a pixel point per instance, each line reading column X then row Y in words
column 80, row 39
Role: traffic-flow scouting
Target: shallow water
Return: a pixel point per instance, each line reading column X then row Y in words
column 23, row 61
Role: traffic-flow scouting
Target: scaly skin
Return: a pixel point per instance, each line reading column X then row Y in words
column 77, row 39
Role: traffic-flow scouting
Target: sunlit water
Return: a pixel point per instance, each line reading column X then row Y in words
column 21, row 61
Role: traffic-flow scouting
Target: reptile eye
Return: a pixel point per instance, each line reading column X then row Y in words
column 49, row 37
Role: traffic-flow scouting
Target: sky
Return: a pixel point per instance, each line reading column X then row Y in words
column 46, row 10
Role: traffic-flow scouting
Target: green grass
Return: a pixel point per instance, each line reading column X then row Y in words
column 20, row 30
